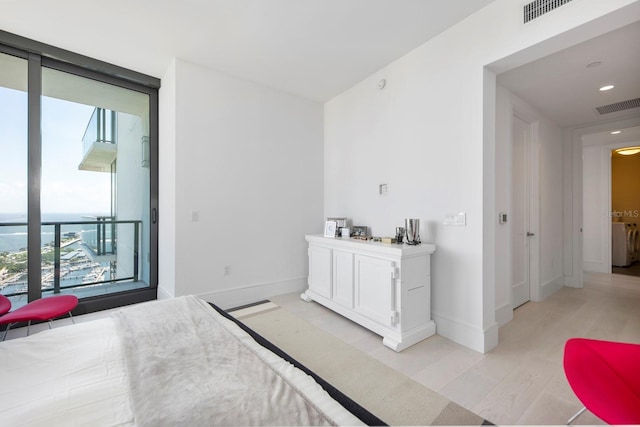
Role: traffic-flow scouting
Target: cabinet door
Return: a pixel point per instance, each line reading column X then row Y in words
column 343, row 278
column 375, row 289
column 320, row 270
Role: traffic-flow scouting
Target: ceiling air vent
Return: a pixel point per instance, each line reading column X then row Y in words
column 538, row 8
column 619, row 106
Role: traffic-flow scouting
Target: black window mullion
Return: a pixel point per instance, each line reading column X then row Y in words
column 34, row 179
column 153, row 185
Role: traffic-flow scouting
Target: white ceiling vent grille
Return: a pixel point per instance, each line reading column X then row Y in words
column 538, row 8
column 619, row 106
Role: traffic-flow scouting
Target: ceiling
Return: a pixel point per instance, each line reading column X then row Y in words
column 566, row 90
column 312, row 48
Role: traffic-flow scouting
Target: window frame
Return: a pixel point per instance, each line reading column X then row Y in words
column 41, row 55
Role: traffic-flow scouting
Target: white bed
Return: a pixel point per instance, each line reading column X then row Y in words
column 172, row 362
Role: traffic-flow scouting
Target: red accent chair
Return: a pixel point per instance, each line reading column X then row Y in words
column 40, row 310
column 605, row 376
column 5, row 305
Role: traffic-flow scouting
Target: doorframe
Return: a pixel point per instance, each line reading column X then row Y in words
column 574, row 277
column 533, row 170
column 607, row 158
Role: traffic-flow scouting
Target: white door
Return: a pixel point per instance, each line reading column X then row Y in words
column 320, row 270
column 374, row 288
column 520, row 198
column 343, row 278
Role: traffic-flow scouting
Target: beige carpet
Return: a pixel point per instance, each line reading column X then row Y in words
column 388, row 394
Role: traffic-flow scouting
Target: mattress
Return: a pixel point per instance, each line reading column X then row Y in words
column 77, row 375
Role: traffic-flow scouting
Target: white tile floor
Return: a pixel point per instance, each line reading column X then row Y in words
column 522, row 380
column 519, row 382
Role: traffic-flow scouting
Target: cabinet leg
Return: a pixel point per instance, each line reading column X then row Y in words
column 306, row 298
column 393, row 344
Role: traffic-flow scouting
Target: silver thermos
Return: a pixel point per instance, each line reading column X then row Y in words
column 412, row 230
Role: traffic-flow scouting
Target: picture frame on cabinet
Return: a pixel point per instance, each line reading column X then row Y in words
column 330, row 228
column 360, row 231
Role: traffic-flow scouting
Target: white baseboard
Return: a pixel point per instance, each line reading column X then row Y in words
column 504, row 314
column 466, row 334
column 552, row 286
column 235, row 297
column 572, row 282
column 163, row 294
column 595, row 267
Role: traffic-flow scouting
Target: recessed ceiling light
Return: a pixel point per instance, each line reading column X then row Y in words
column 607, row 87
column 594, row 64
column 615, row 132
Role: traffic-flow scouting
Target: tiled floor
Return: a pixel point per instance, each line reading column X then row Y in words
column 522, row 380
column 519, row 382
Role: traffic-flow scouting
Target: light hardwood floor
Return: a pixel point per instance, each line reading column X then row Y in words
column 522, row 380
column 519, row 382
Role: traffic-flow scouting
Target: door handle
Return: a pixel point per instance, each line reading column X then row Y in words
column 529, row 234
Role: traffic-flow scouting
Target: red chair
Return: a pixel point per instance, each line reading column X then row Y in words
column 5, row 305
column 40, row 310
column 605, row 376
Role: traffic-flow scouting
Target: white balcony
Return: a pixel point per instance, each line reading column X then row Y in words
column 99, row 156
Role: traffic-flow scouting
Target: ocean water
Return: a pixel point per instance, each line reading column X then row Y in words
column 14, row 237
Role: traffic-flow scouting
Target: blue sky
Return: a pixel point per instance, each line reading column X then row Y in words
column 65, row 189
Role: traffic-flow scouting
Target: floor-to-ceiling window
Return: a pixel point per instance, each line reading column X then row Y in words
column 78, row 179
column 13, row 175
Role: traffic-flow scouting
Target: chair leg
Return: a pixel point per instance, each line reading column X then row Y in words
column 71, row 317
column 28, row 326
column 6, row 331
column 572, row 419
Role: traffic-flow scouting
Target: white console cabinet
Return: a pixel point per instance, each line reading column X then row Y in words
column 382, row 286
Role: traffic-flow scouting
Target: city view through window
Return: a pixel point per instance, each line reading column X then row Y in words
column 93, row 191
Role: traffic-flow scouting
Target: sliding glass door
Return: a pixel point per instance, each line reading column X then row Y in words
column 78, row 191
column 13, row 177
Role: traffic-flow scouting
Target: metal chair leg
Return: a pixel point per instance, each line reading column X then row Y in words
column 6, row 331
column 71, row 317
column 572, row 419
column 28, row 326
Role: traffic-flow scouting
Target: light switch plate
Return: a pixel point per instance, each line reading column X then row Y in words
column 459, row 219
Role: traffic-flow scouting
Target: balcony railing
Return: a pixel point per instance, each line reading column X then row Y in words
column 101, row 128
column 99, row 243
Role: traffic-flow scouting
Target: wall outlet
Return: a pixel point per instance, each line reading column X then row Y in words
column 227, row 270
column 383, row 189
column 455, row 219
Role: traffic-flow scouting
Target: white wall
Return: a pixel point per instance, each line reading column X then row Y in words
column 248, row 163
column 430, row 136
column 167, row 112
column 550, row 232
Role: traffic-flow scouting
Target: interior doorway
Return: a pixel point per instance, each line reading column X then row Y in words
column 603, row 213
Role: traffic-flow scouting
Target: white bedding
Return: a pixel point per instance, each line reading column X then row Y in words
column 76, row 376
column 68, row 376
